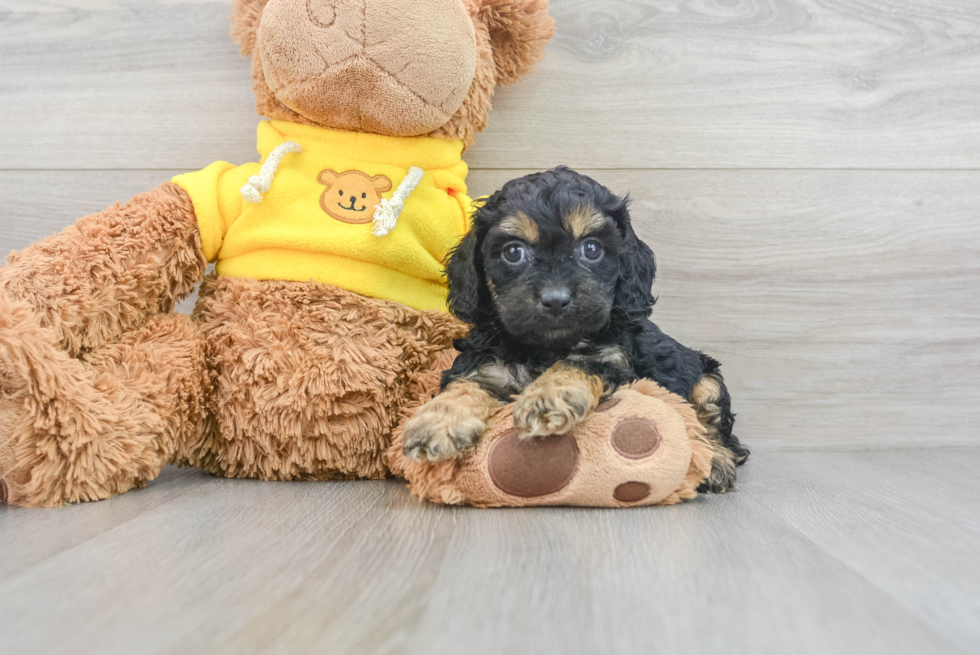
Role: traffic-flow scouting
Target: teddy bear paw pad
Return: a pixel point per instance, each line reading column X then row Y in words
column 636, row 438
column 527, row 468
column 631, row 492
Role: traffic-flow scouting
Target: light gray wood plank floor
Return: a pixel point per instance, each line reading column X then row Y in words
column 832, row 552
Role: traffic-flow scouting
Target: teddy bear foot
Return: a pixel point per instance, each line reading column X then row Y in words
column 643, row 446
column 76, row 429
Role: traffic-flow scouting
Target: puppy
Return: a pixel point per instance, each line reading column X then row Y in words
column 557, row 287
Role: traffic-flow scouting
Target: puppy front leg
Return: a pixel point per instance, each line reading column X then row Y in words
column 450, row 423
column 556, row 401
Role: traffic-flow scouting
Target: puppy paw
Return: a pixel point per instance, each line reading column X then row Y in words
column 554, row 404
column 434, row 435
column 722, row 477
column 449, row 424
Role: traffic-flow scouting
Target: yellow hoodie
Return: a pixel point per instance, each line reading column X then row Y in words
column 315, row 221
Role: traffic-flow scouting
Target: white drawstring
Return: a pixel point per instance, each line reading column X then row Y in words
column 387, row 211
column 259, row 184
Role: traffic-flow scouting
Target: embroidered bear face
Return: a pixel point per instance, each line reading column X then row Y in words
column 351, row 196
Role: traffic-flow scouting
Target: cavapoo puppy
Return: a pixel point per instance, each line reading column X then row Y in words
column 557, row 287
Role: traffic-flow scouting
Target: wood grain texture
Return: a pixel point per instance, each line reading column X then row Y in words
column 908, row 522
column 47, row 533
column 241, row 566
column 100, row 84
column 843, row 304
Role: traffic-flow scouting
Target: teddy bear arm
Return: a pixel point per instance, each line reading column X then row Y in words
column 110, row 272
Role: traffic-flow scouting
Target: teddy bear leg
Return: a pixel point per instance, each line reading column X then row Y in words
column 643, row 445
column 74, row 425
column 96, row 426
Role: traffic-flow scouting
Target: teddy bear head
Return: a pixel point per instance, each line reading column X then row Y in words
column 393, row 67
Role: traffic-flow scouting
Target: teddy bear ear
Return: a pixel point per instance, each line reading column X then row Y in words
column 245, row 17
column 519, row 31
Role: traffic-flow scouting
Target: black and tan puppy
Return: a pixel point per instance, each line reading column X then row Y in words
column 557, row 287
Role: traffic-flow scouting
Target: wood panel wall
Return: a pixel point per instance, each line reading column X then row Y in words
column 807, row 171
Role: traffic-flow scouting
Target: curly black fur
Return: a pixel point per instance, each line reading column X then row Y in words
column 559, row 303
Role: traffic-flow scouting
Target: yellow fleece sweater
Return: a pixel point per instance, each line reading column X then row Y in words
column 315, row 220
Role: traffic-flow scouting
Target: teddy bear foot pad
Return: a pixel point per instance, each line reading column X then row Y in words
column 643, row 446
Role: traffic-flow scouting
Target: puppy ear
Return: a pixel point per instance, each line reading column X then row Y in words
column 519, row 31
column 638, row 267
column 245, row 17
column 464, row 279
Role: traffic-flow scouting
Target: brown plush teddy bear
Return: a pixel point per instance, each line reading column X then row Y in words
column 328, row 305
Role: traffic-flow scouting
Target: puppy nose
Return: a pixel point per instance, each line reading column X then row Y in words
column 556, row 300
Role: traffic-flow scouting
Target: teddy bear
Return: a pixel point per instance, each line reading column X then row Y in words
column 327, row 308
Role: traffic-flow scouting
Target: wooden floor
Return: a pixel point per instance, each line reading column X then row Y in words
column 808, row 173
column 818, row 552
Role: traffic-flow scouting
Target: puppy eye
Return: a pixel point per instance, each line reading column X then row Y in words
column 364, row 195
column 514, row 253
column 592, row 250
column 341, row 192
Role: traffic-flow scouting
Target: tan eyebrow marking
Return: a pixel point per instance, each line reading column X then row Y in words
column 583, row 220
column 521, row 226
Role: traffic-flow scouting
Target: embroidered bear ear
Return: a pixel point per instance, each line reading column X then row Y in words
column 380, row 182
column 519, row 31
column 328, row 177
